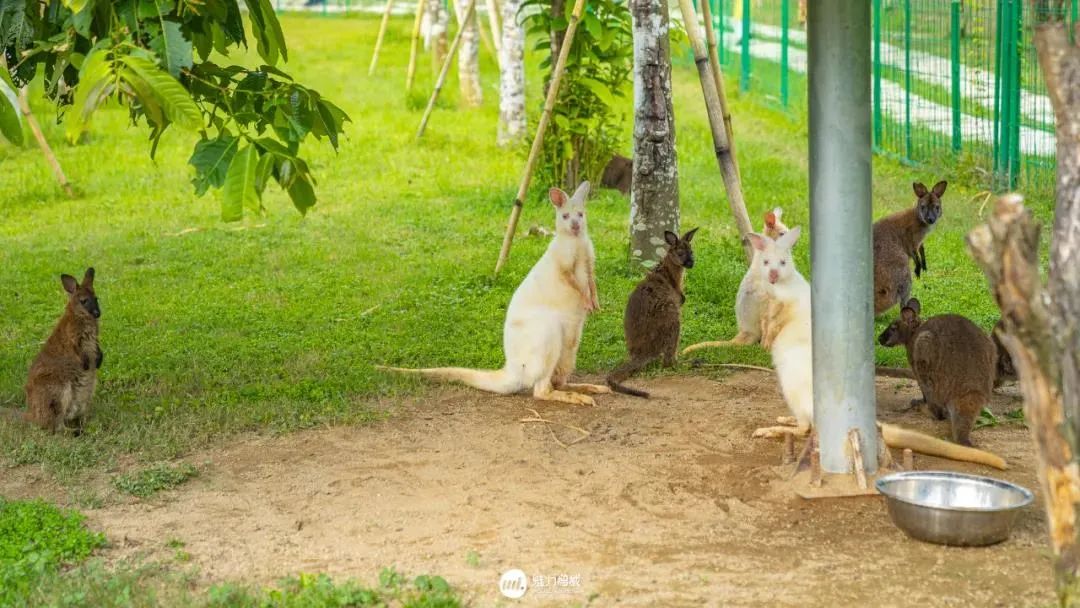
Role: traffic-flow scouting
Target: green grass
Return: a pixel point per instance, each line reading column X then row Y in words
column 151, row 480
column 210, row 330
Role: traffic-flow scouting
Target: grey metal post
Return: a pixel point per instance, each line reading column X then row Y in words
column 840, row 223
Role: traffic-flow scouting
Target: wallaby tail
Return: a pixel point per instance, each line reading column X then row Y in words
column 491, row 380
column 894, row 372
column 624, row 371
column 897, row 437
column 741, row 339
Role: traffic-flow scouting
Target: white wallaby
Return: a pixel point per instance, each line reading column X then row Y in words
column 786, row 331
column 543, row 324
column 752, row 297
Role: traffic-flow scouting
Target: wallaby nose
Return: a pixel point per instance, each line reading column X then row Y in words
column 774, row 276
column 575, row 226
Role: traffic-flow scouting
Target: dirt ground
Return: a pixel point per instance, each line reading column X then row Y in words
column 667, row 502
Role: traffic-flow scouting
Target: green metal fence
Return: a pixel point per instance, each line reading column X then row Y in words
column 954, row 81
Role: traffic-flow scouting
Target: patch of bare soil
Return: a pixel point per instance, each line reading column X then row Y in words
column 667, row 502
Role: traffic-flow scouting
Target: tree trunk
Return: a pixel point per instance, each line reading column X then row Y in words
column 1043, row 325
column 438, row 21
column 512, row 77
column 654, row 191
column 472, row 94
column 558, row 9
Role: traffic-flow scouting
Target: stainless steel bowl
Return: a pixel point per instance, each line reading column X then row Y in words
column 952, row 508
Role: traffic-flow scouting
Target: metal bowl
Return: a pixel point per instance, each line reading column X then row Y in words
column 952, row 508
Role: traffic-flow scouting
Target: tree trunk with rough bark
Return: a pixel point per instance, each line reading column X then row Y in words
column 512, row 77
column 437, row 19
column 654, row 191
column 472, row 94
column 1043, row 324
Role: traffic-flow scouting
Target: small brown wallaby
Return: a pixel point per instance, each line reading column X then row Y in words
column 898, row 238
column 63, row 376
column 654, row 313
column 618, row 174
column 955, row 364
column 1006, row 371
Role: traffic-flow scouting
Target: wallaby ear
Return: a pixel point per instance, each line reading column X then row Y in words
column 88, row 277
column 920, row 189
column 689, row 236
column 582, row 192
column 915, row 305
column 908, row 315
column 757, row 241
column 69, row 282
column 558, row 197
column 671, row 238
column 777, row 213
column 788, row 240
column 939, row 188
column 770, row 219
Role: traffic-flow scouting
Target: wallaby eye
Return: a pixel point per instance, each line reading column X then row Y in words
column 766, row 262
column 783, row 262
column 566, row 216
column 581, row 214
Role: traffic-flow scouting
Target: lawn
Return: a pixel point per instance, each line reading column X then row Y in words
column 274, row 324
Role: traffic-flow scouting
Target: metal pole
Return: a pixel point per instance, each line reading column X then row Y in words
column 907, row 79
column 877, row 73
column 840, row 214
column 954, row 53
column 784, row 18
column 744, row 76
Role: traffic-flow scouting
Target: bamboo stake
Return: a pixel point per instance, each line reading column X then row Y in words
column 541, row 129
column 382, row 32
column 414, row 50
column 493, row 23
column 721, row 144
column 35, row 128
column 469, row 10
column 718, row 76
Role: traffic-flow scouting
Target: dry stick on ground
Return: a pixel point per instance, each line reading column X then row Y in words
column 469, row 9
column 379, row 39
column 1007, row 249
column 415, row 44
column 718, row 77
column 547, row 423
column 541, row 129
column 721, row 144
column 35, row 128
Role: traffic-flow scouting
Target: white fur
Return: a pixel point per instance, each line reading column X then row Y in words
column 791, row 346
column 751, row 300
column 543, row 325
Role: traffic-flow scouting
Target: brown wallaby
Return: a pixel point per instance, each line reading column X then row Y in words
column 899, row 237
column 954, row 361
column 618, row 174
column 654, row 313
column 63, row 376
column 1006, row 371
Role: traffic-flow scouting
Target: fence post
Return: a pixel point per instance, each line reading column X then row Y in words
column 907, row 80
column 954, row 52
column 1015, row 34
column 744, row 76
column 876, row 17
column 719, row 24
column 785, row 9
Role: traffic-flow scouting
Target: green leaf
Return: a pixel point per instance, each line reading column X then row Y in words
column 10, row 119
column 211, row 160
column 302, row 193
column 75, row 5
column 239, row 191
column 96, row 82
column 600, row 90
column 267, row 30
column 174, row 99
column 172, row 48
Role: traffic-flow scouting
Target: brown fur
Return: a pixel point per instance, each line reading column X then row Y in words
column 898, row 238
column 954, row 362
column 654, row 314
column 63, row 376
column 618, row 174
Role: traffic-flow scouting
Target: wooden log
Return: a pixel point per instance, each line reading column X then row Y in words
column 414, row 49
column 857, row 464
column 379, row 38
column 35, row 128
column 541, row 129
column 721, row 144
column 469, row 9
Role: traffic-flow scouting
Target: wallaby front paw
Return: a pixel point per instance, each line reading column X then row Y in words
column 787, row 420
